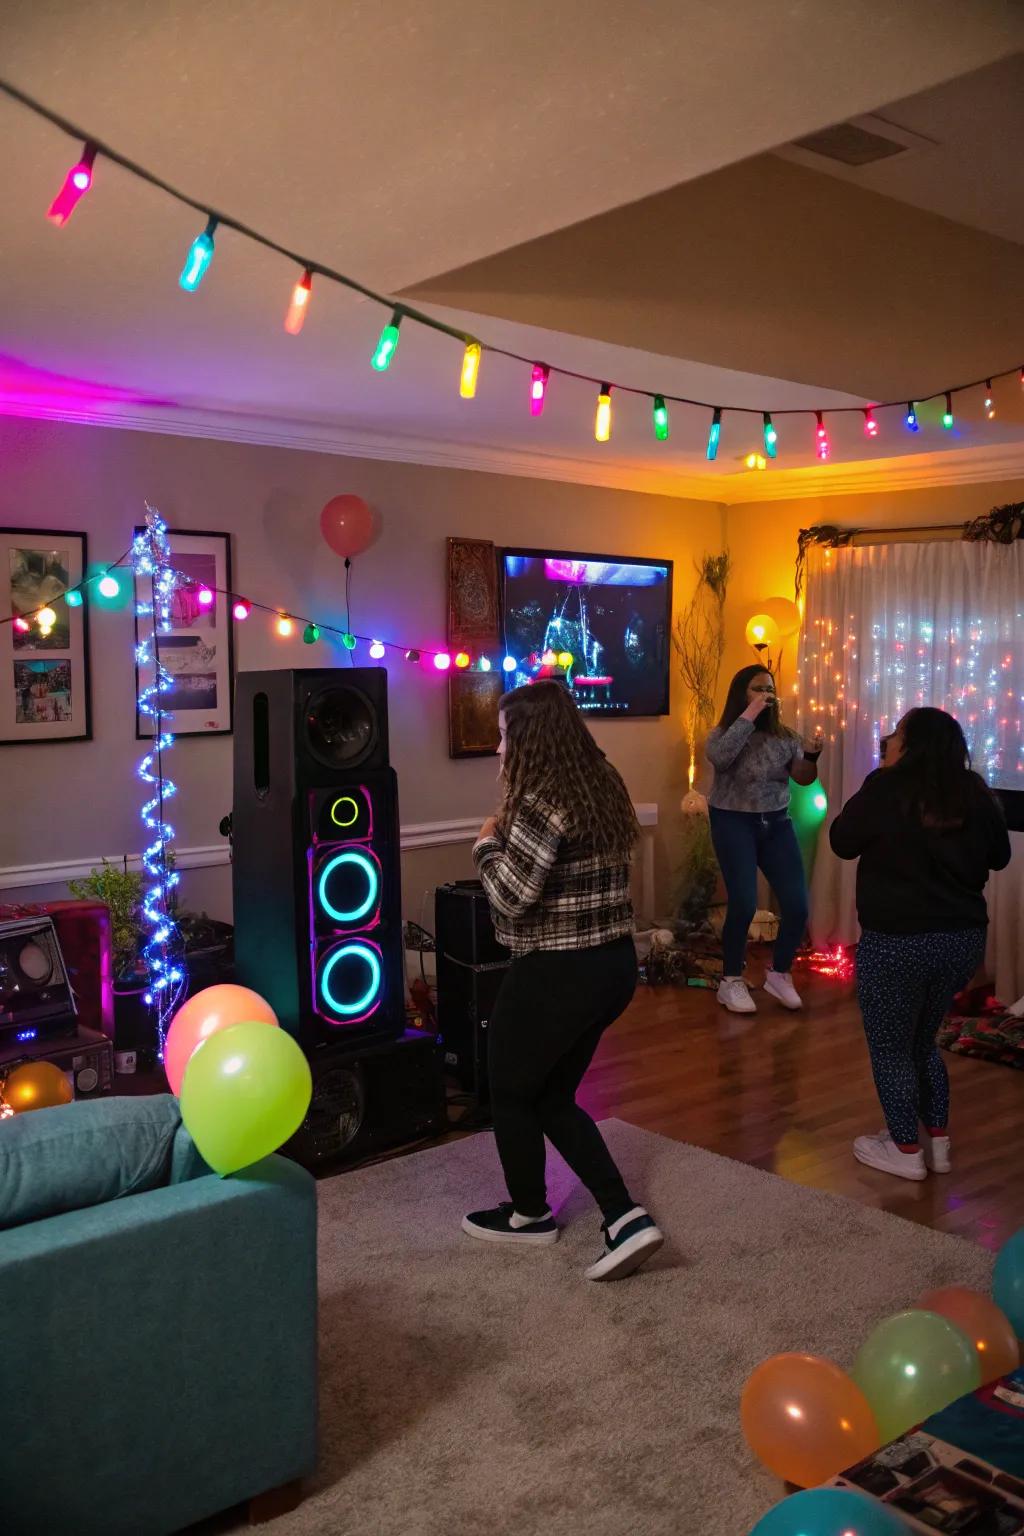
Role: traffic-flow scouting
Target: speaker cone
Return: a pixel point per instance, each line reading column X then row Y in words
column 341, row 726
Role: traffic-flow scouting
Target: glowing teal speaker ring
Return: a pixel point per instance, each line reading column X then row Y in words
column 359, row 860
column 365, row 955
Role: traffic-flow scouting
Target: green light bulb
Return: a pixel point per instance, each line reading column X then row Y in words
column 348, row 641
column 388, row 343
column 660, row 418
column 310, row 634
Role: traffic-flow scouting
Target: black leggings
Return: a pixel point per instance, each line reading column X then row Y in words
column 551, row 1011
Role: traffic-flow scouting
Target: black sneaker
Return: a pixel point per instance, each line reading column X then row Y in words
column 503, row 1225
column 629, row 1241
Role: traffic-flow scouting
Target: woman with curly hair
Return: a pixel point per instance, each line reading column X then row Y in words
column 554, row 863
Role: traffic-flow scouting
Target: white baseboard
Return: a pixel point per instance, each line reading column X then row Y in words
column 424, row 834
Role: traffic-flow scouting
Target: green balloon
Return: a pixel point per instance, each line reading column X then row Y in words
column 911, row 1366
column 245, row 1091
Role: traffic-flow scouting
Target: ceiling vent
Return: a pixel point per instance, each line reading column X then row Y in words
column 850, row 145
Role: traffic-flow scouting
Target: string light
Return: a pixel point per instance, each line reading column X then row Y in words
column 109, row 586
column 295, row 319
column 565, row 660
column 947, row 415
column 538, row 388
column 442, row 661
column 913, row 425
column 204, row 597
column 73, row 598
column 509, row 664
column 412, row 655
column 470, row 370
column 22, row 625
column 714, row 435
column 388, row 343
column 771, row 437
column 76, row 184
column 462, row 660
column 348, row 640
column 990, row 409
column 241, row 610
column 484, row 664
column 284, row 626
column 870, row 422
column 311, row 634
column 200, row 254
column 821, row 437
column 603, row 416
column 377, row 650
column 660, row 418
column 46, row 618
column 756, row 461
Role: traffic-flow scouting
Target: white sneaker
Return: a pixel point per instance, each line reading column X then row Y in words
column 733, row 994
column 936, row 1152
column 882, row 1152
column 779, row 984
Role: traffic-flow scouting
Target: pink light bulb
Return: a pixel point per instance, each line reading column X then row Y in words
column 204, row 597
column 76, row 183
column 241, row 610
column 442, row 661
column 22, row 626
column 538, row 388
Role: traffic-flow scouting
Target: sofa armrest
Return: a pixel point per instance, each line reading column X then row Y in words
column 163, row 1348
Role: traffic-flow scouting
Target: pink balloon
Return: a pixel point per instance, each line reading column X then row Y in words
column 347, row 524
column 213, row 1009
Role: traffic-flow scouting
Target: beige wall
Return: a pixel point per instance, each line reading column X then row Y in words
column 76, row 800
column 762, row 540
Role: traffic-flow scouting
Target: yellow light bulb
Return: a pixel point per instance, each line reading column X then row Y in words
column 470, row 370
column 284, row 625
column 565, row 660
column 603, row 418
column 46, row 619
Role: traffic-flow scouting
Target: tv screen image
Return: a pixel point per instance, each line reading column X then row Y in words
column 605, row 623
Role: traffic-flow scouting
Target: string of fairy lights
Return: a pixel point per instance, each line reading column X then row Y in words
column 199, row 257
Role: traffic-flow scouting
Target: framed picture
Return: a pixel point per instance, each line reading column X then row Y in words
column 44, row 671
column 198, row 651
column 473, row 626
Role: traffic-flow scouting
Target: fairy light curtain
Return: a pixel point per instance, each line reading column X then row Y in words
column 891, row 626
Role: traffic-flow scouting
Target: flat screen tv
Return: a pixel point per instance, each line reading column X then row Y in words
column 603, row 622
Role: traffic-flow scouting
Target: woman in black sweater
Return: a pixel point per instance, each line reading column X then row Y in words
column 927, row 831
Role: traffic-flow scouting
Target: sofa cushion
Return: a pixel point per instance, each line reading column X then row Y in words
column 82, row 1154
column 186, row 1162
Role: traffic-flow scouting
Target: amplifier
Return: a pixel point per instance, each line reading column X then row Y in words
column 86, row 1059
column 36, row 1001
column 471, row 966
column 370, row 1097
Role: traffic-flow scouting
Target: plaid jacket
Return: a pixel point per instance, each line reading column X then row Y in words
column 546, row 892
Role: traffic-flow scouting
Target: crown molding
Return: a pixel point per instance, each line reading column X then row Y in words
column 909, row 472
column 321, row 437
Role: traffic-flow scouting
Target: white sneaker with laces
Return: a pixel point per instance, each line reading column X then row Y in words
column 779, row 984
column 733, row 994
column 882, row 1152
column 936, row 1152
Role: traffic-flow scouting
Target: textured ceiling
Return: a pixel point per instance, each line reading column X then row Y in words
column 401, row 142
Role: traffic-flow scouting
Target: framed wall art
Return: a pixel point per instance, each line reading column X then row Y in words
column 44, row 669
column 473, row 626
column 198, row 652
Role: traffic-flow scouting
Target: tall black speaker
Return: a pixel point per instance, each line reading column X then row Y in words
column 316, row 857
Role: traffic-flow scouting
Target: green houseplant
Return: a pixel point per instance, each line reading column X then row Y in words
column 120, row 891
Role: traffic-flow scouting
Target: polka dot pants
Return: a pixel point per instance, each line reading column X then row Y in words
column 905, row 985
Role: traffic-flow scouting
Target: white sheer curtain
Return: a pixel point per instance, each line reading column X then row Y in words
column 889, row 626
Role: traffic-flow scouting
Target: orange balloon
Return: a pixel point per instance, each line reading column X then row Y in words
column 346, row 523
column 805, row 1420
column 36, row 1085
column 213, row 1009
column 989, row 1329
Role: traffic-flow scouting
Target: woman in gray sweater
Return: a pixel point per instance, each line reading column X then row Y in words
column 754, row 757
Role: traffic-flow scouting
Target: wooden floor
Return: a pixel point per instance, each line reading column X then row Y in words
column 789, row 1092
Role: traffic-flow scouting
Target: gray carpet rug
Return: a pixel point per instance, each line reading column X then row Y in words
column 468, row 1389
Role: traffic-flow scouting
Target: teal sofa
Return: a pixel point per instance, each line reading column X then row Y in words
column 158, row 1354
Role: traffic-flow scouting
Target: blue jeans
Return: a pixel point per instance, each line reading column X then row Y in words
column 746, row 841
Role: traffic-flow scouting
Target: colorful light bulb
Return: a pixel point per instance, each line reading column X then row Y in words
column 821, row 437
column 46, row 619
column 462, row 660
column 538, row 388
column 771, row 437
column 870, row 422
column 388, row 343
column 76, row 184
column 714, row 435
column 484, row 664
column 199, row 256
column 377, row 650
column 913, row 425
column 348, row 641
column 412, row 655
column 470, row 369
column 509, row 664
column 22, row 625
column 311, row 634
column 442, row 661
column 241, row 610
column 947, row 415
column 990, row 409
column 603, row 416
column 296, row 316
column 284, row 626
column 73, row 598
column 565, row 660
column 204, row 597
column 109, row 586
column 660, row 418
